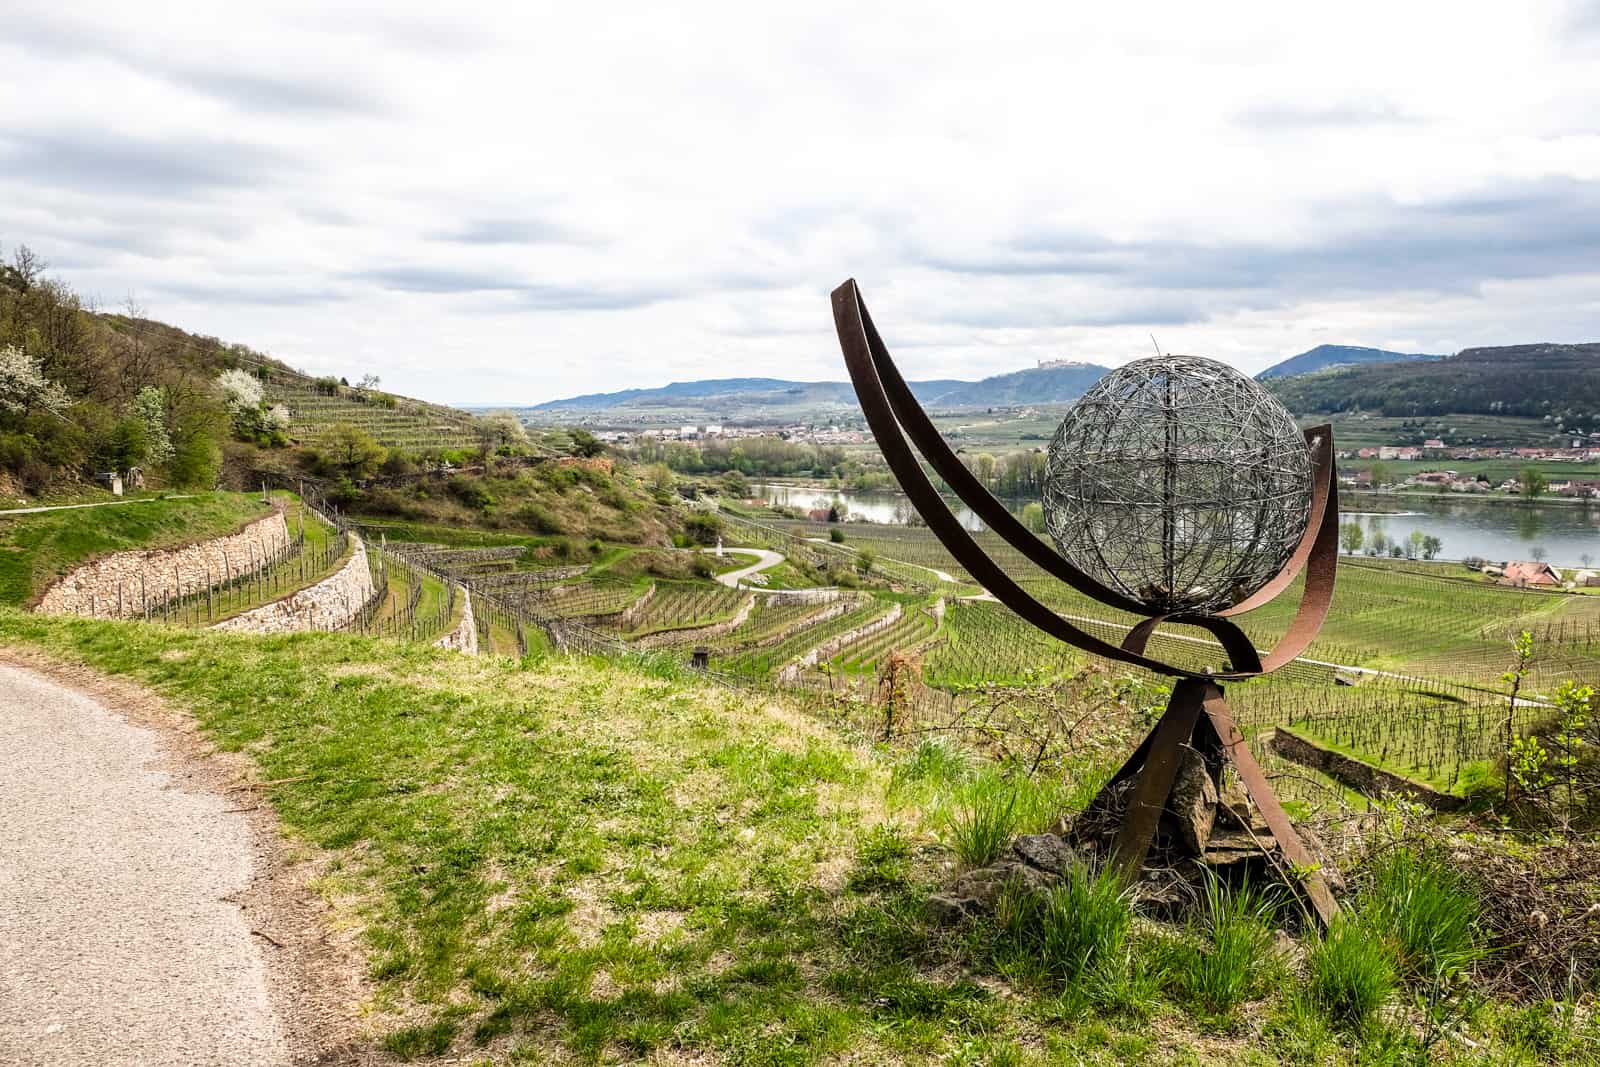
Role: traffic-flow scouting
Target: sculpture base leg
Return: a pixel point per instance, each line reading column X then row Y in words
column 1198, row 718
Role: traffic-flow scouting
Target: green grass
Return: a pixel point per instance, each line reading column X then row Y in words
column 1421, row 907
column 1351, row 974
column 575, row 860
column 1228, row 957
column 35, row 550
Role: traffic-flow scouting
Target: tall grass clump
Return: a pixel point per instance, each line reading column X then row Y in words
column 935, row 764
column 981, row 816
column 1229, row 957
column 1071, row 934
column 1424, row 911
column 1350, row 973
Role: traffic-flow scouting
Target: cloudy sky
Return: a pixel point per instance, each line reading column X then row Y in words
column 482, row 207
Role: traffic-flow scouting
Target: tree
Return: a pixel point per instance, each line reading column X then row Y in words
column 197, row 424
column 368, row 381
column 1351, row 537
column 24, row 388
column 239, row 389
column 865, row 558
column 1431, row 546
column 1538, row 552
column 585, row 444
column 501, row 429
column 149, row 408
column 354, row 451
column 1414, row 544
column 1523, row 649
column 1380, row 475
column 1033, row 516
column 125, row 446
column 1532, row 482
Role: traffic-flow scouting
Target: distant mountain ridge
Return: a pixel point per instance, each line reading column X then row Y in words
column 1560, row 382
column 1035, row 385
column 1326, row 357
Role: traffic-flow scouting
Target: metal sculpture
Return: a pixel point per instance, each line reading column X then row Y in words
column 1157, row 512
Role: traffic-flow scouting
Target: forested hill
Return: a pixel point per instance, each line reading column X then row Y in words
column 775, row 396
column 1325, row 357
column 1562, row 381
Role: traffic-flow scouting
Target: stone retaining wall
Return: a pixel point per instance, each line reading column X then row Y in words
column 328, row 605
column 1358, row 774
column 464, row 638
column 802, row 596
column 163, row 574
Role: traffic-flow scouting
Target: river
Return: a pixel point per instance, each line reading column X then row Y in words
column 1498, row 531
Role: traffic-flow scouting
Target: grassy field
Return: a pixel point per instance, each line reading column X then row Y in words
column 35, row 550
column 1369, row 431
column 559, row 860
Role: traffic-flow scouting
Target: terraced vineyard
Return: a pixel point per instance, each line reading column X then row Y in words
column 914, row 628
column 773, row 620
column 765, row 661
column 411, row 425
column 679, row 606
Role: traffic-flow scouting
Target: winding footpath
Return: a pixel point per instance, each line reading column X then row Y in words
column 768, row 560
column 121, row 941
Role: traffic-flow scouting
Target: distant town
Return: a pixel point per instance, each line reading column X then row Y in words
column 1444, row 479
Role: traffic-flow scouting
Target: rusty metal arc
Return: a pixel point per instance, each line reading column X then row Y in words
column 894, row 415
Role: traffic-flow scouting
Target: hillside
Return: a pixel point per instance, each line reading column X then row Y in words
column 1558, row 381
column 1326, row 357
column 84, row 392
column 733, row 399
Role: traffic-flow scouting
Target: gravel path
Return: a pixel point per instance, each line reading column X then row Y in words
column 120, row 939
column 768, row 559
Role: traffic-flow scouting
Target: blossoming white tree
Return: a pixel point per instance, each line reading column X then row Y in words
column 23, row 387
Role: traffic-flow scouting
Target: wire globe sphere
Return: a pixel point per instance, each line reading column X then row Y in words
column 1180, row 483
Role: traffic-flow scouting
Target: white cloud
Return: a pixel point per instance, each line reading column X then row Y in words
column 517, row 204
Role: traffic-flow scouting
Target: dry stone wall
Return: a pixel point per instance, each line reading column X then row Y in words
column 464, row 638
column 328, row 605
column 152, row 577
column 1358, row 774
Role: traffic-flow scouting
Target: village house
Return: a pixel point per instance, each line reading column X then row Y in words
column 1434, row 478
column 1530, row 575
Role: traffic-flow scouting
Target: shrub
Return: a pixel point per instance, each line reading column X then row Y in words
column 471, row 492
column 1228, row 960
column 1071, row 932
column 703, row 527
column 537, row 518
column 1351, row 974
column 1424, row 911
column 836, row 535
